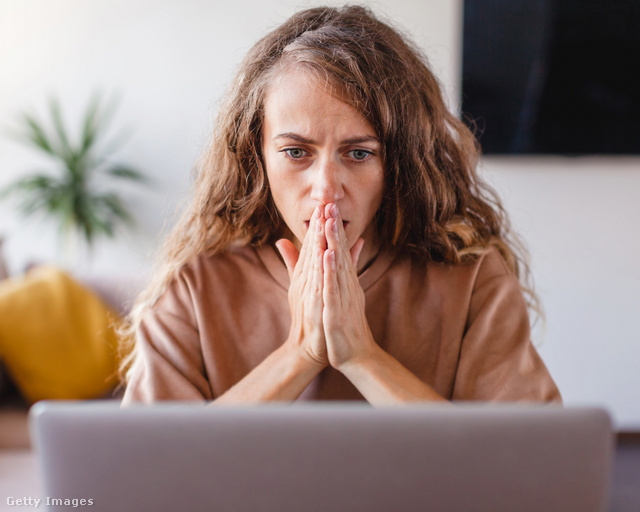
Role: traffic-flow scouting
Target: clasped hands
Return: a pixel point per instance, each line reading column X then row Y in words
column 327, row 304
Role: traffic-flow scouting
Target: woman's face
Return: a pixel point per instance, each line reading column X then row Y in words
column 319, row 150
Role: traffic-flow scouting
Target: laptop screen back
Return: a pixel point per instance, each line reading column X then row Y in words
column 324, row 456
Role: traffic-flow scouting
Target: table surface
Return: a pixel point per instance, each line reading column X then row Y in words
column 18, row 477
column 625, row 482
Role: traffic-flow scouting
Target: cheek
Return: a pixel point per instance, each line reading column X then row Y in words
column 372, row 196
column 276, row 185
column 279, row 195
column 284, row 192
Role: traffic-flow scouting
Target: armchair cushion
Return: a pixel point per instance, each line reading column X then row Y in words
column 57, row 338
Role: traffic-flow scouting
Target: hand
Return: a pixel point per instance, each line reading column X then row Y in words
column 347, row 332
column 305, row 290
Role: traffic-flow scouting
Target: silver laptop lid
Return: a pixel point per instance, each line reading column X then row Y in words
column 324, row 457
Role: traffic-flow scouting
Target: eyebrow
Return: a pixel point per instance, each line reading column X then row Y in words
column 304, row 140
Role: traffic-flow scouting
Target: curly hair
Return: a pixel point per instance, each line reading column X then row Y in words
column 434, row 204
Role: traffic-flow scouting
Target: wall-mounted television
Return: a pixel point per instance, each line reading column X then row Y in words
column 552, row 76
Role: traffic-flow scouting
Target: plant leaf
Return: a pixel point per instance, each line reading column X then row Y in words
column 96, row 121
column 37, row 136
column 90, row 125
column 37, row 193
column 69, row 197
column 37, row 183
column 102, row 225
column 66, row 152
column 121, row 171
column 116, row 207
column 115, row 142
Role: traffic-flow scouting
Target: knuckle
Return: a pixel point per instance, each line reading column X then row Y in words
column 333, row 290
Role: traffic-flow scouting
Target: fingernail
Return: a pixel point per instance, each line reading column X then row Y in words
column 316, row 212
column 319, row 226
column 334, row 211
column 332, row 259
column 334, row 228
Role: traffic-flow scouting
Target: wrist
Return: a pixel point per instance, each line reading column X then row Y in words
column 299, row 357
column 356, row 364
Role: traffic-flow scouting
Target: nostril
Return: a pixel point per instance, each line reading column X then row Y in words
column 326, row 189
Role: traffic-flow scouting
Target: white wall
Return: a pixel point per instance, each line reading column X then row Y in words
column 579, row 218
column 171, row 60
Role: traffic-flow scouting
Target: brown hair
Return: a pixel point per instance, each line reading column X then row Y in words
column 433, row 205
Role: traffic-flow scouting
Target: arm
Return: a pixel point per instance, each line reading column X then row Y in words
column 169, row 362
column 497, row 360
column 169, row 366
column 383, row 380
column 287, row 371
column 282, row 376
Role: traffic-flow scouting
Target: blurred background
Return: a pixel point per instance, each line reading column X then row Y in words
column 168, row 63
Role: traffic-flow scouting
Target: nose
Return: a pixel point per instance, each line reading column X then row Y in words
column 327, row 184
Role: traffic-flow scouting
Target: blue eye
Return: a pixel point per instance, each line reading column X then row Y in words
column 295, row 153
column 360, row 154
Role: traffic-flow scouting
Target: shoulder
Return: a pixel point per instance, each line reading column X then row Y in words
column 464, row 277
column 230, row 264
column 455, row 291
column 205, row 273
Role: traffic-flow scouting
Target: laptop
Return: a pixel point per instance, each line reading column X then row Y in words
column 327, row 456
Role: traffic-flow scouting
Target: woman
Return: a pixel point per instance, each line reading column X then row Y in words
column 339, row 244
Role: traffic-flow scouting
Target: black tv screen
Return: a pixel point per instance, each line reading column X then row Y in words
column 552, row 76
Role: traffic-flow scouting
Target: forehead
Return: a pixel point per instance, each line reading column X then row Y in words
column 300, row 99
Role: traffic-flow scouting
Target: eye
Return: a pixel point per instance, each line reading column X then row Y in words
column 359, row 154
column 295, row 153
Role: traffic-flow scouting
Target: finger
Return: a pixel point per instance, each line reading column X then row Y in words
column 344, row 256
column 306, row 253
column 319, row 245
column 320, row 236
column 328, row 210
column 289, row 254
column 331, row 291
column 316, row 237
column 342, row 262
column 315, row 297
column 342, row 236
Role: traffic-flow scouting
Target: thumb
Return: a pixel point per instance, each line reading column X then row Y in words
column 356, row 250
column 289, row 254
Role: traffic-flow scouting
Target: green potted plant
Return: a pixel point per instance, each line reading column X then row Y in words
column 74, row 194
